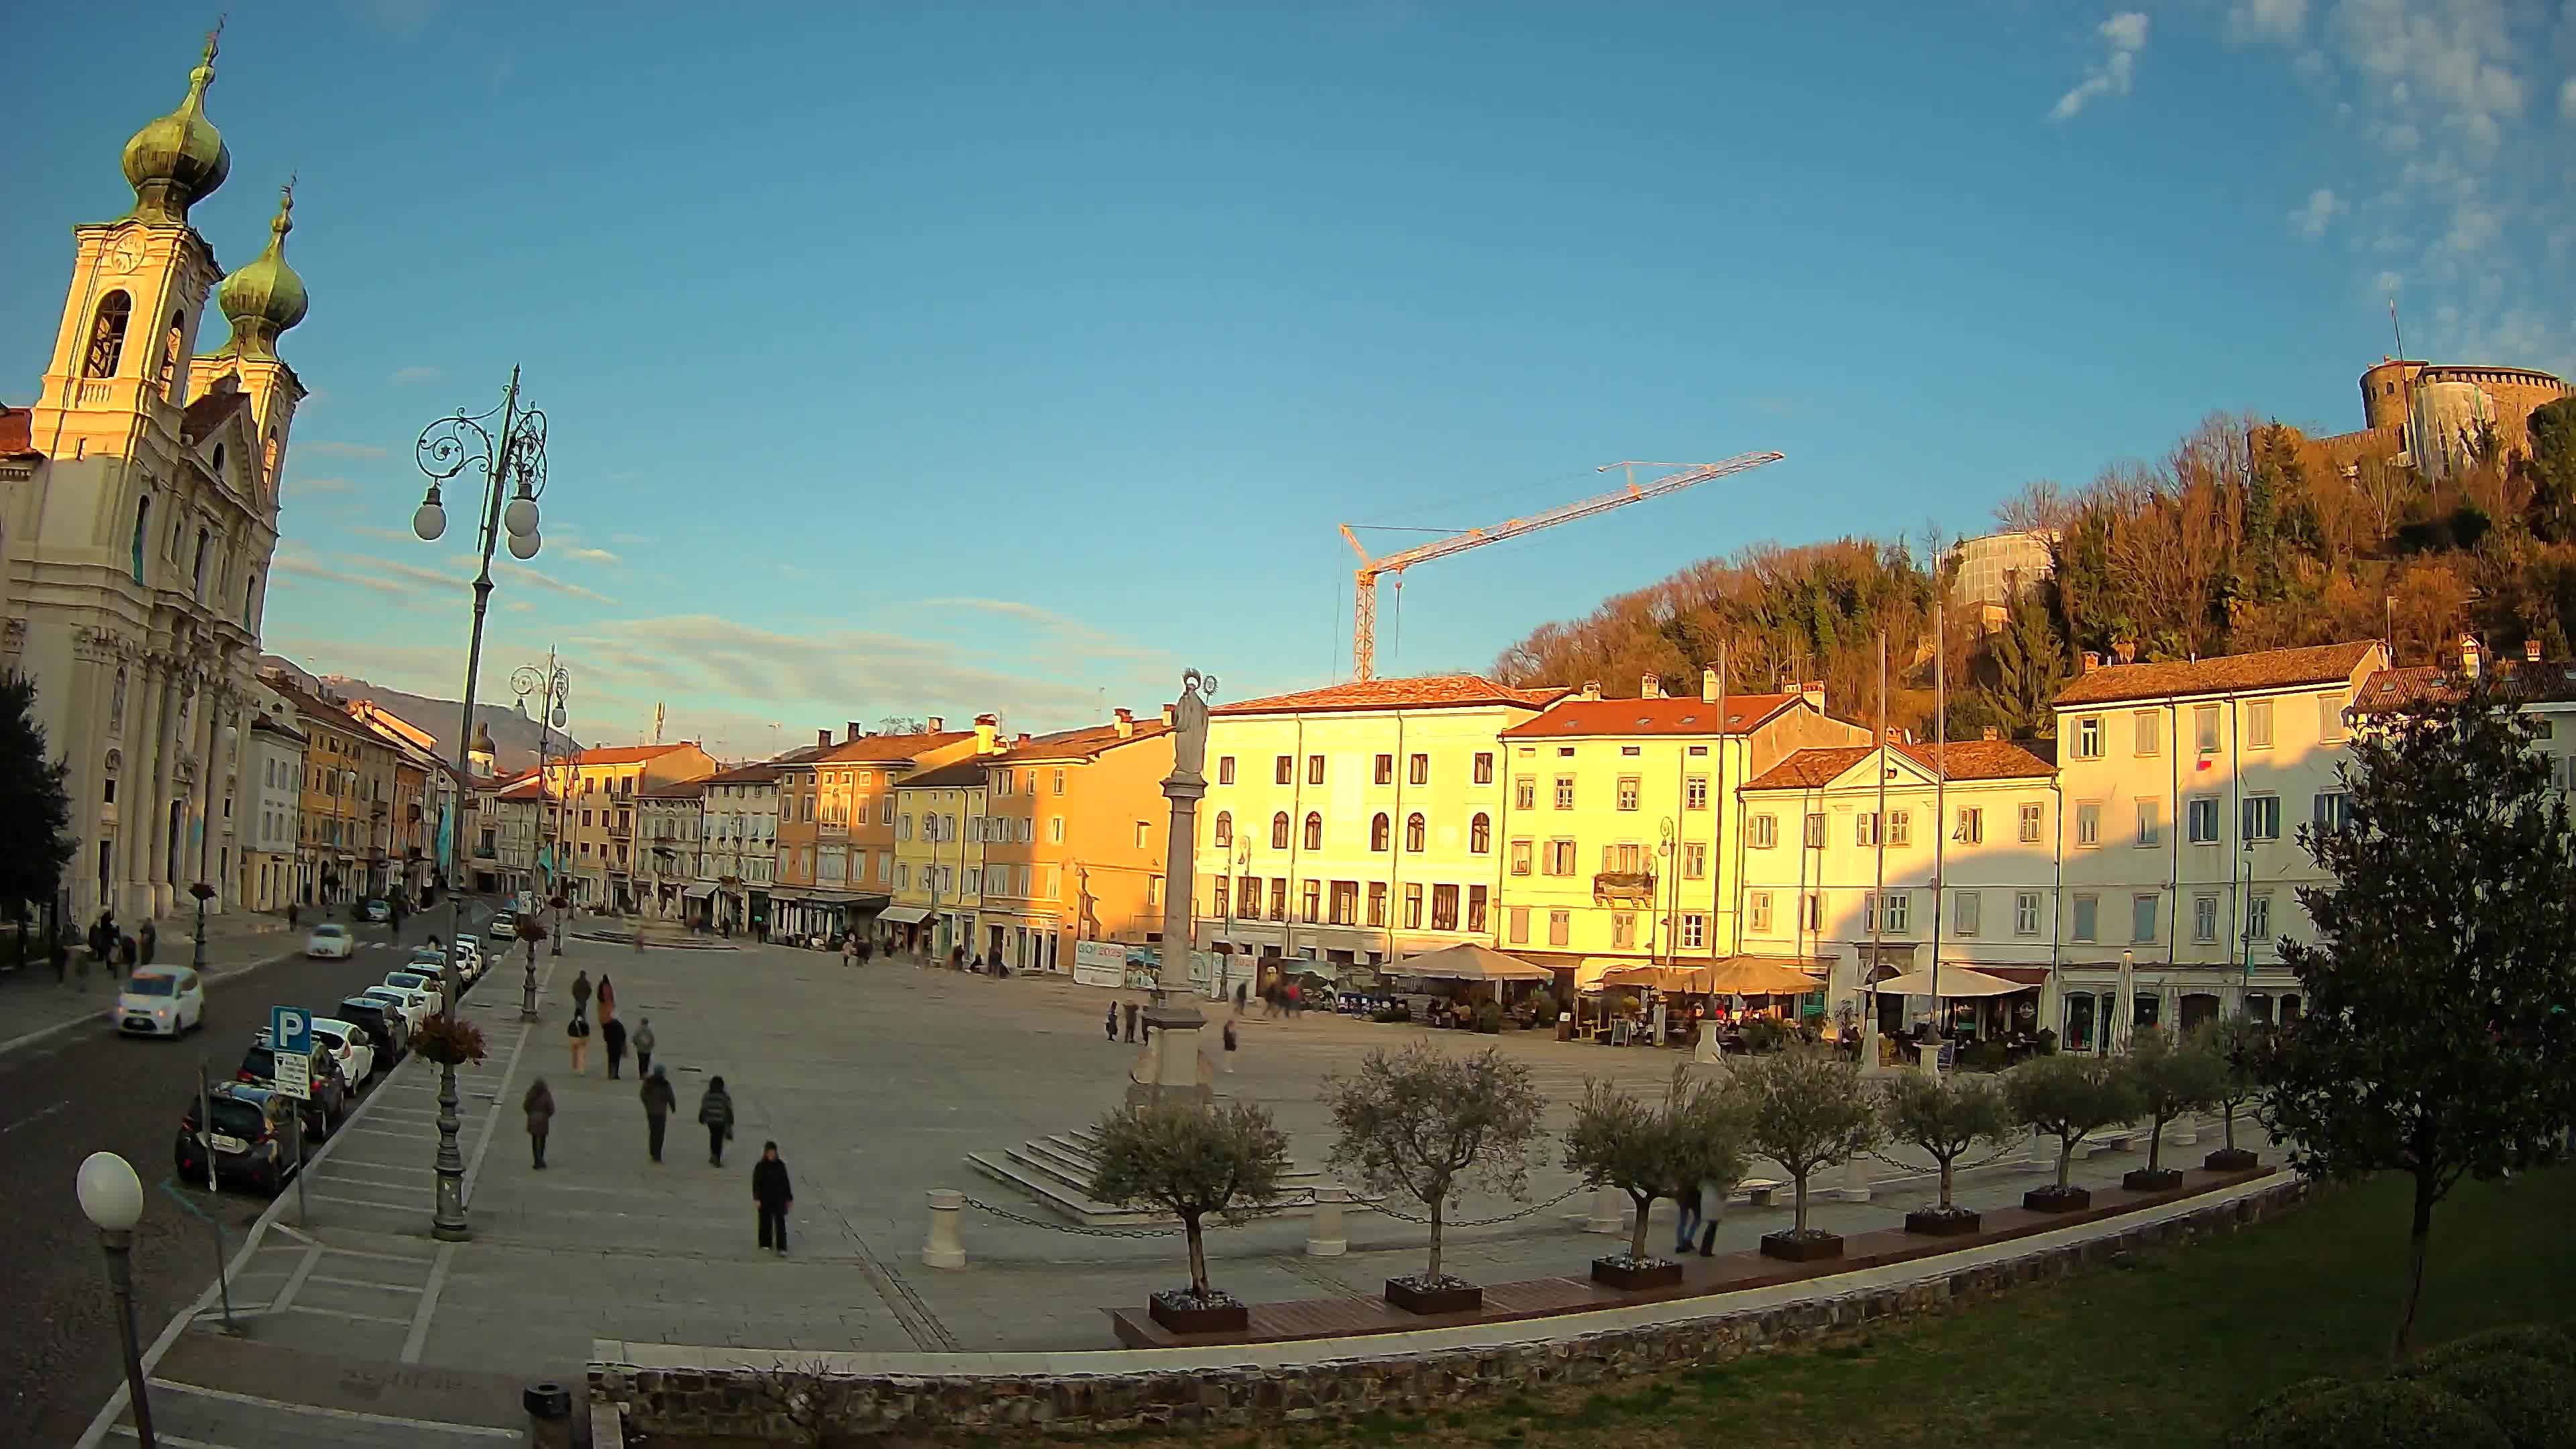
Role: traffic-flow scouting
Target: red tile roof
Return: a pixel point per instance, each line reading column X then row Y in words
column 966, row 773
column 1577, row 718
column 1430, row 691
column 2391, row 689
column 1967, row 759
column 627, row 754
column 208, row 413
column 888, row 747
column 2226, row 674
column 682, row 790
column 1089, row 742
column 760, row 774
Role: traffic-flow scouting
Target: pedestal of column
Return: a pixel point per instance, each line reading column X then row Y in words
column 1855, row 1185
column 1609, row 1212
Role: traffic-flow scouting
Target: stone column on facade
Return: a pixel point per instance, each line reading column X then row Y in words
column 1173, row 1071
column 152, row 840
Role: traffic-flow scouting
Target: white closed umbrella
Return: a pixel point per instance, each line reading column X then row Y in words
column 2124, row 1010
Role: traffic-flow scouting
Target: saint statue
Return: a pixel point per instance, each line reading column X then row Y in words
column 1190, row 722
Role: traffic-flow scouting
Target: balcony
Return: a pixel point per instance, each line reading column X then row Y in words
column 1623, row 885
column 621, row 832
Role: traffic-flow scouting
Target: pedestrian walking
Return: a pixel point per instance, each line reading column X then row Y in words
column 659, row 1103
column 612, row 1035
column 715, row 1112
column 1110, row 1025
column 1131, row 1021
column 151, row 941
column 540, row 1107
column 769, row 1188
column 62, row 962
column 580, row 989
column 1712, row 1207
column 127, row 952
column 102, row 936
column 1229, row 1044
column 577, row 1031
column 849, row 949
column 290, row 915
column 1239, row 990
column 1686, row 1219
column 644, row 1047
column 607, row 998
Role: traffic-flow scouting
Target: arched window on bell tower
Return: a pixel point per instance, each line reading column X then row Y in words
column 107, row 335
column 171, row 345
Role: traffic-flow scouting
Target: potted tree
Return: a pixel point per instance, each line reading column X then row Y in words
column 1946, row 1117
column 2172, row 1078
column 1653, row 1150
column 2240, row 1044
column 1806, row 1111
column 1427, row 1124
column 2069, row 1098
column 1192, row 1163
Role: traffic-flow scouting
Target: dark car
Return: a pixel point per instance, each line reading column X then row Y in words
column 246, row 1135
column 383, row 1026
column 329, row 1099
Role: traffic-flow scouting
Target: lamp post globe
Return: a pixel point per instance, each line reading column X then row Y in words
column 429, row 521
column 524, row 546
column 111, row 1197
column 521, row 516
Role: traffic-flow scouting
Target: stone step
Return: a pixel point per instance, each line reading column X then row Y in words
column 1057, row 1169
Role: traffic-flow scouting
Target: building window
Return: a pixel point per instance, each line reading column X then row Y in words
column 1224, row 769
column 107, row 335
column 2026, row 913
column 2204, row 918
column 1279, row 830
column 1695, row 793
column 1279, row 898
column 1480, row 834
column 1815, row 830
column 1377, row 903
column 2151, row 826
column 2258, row 918
column 1378, row 831
column 1763, row 832
column 2258, row 724
column 1314, row 769
column 1560, row 927
column 1971, row 829
column 1417, row 770
column 2330, row 724
column 2088, row 918
column 2088, row 737
column 1224, row 828
column 1385, row 770
column 1811, row 911
column 2333, row 811
column 1484, row 767
column 1565, row 792
column 1560, row 858
column 142, row 530
column 2142, row 918
column 1414, row 832
column 2033, row 817
column 1757, row 910
column 1346, row 902
column 1967, row 912
column 1694, row 860
column 1248, row 899
column 1221, row 896
column 1524, row 793
column 2262, row 817
column 1899, row 915
column 1444, row 908
column 1623, row 930
column 1520, row 856
column 1311, row 898
column 1413, row 908
column 1900, row 828
column 1284, row 772
column 1865, row 829
column 1314, row 830
column 2149, row 736
column 1628, row 790
column 1055, row 829
column 1516, row 925
column 2204, row 728
column 2088, row 823
column 2202, row 814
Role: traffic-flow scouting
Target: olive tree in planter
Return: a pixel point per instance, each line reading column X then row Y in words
column 2172, row 1078
column 1427, row 1124
column 1805, row 1110
column 2239, row 1043
column 1193, row 1163
column 1947, row 1117
column 1652, row 1150
column 2069, row 1098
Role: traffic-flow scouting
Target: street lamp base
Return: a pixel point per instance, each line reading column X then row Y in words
column 451, row 1232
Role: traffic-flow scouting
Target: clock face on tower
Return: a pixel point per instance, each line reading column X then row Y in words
column 123, row 255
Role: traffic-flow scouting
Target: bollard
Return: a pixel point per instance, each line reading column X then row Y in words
column 1855, row 1186
column 1928, row 1058
column 943, row 1250
column 1325, row 1235
column 2184, row 1132
column 1609, row 1212
column 549, row 1407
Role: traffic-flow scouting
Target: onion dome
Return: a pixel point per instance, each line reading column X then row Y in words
column 179, row 159
column 264, row 298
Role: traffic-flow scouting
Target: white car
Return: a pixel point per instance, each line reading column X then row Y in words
column 163, row 1001
column 430, row 984
column 415, row 1006
column 330, row 941
column 350, row 1044
column 505, row 927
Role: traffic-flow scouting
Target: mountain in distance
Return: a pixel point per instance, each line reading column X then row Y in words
column 514, row 735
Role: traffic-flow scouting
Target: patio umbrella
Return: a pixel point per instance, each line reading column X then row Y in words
column 1468, row 961
column 1661, row 978
column 1956, row 982
column 2124, row 1011
column 1757, row 976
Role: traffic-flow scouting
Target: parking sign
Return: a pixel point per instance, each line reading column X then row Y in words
column 290, row 1036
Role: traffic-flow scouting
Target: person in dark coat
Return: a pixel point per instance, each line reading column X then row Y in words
column 715, row 1113
column 1112, row 1023
column 290, row 915
column 644, row 1047
column 581, row 993
column 1131, row 1021
column 769, row 1188
column 659, row 1103
column 127, row 952
column 151, row 941
column 612, row 1035
column 540, row 1107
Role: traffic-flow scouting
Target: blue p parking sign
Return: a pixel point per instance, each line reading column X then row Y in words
column 290, row 1029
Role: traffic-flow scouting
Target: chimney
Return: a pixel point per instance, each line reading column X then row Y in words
column 1125, row 724
column 1020, row 741
column 822, row 739
column 2531, row 651
column 1171, row 715
column 2092, row 661
column 936, row 724
column 1591, row 689
column 854, row 730
column 1992, row 733
column 2470, row 657
column 1708, row 686
column 1651, row 687
column 988, row 733
column 1814, row 690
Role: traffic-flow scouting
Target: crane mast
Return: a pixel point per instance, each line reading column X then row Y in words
column 1364, row 598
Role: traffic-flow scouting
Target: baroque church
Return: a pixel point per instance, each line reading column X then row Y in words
column 138, row 515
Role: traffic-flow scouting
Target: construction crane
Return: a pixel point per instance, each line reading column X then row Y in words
column 1364, row 602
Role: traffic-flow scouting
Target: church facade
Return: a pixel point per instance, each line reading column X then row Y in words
column 138, row 517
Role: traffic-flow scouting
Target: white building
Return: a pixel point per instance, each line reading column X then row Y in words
column 1960, row 869
column 737, row 863
column 1357, row 824
column 668, row 848
column 271, row 805
column 2185, row 785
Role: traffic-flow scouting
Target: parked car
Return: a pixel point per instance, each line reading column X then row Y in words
column 427, row 983
column 388, row 1031
column 414, row 1005
column 245, row 1131
column 351, row 1044
column 505, row 927
column 327, row 1099
column 329, row 941
column 164, row 1001
column 380, row 909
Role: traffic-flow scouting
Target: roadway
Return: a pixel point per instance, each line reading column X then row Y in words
column 88, row 1088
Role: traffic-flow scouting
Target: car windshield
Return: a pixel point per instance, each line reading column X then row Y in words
column 407, row 981
column 260, row 1061
column 237, row 1119
column 329, row 933
column 153, row 985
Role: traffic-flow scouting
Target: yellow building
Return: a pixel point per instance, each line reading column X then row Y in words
column 836, row 812
column 335, row 817
column 598, row 835
column 1621, row 835
column 1074, row 840
column 939, row 825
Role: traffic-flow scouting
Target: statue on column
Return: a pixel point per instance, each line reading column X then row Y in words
column 1190, row 722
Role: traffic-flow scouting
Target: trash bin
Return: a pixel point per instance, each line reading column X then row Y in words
column 549, row 1407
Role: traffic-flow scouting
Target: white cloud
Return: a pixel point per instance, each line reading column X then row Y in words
column 522, row 573
column 2567, row 99
column 593, row 555
column 2311, row 219
column 389, row 535
column 404, row 377
column 321, row 485
column 2267, row 19
column 629, row 539
column 319, row 449
column 2388, row 284
column 290, row 566
column 2124, row 34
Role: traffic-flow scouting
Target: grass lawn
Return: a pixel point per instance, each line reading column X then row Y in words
column 2172, row 1349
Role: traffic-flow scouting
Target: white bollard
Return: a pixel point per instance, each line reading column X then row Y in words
column 1928, row 1058
column 1325, row 1235
column 1609, row 1212
column 2184, row 1131
column 1855, row 1186
column 943, row 1250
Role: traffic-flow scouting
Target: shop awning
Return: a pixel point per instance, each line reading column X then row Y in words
column 904, row 915
column 699, row 891
column 1468, row 961
column 1761, row 976
column 1956, row 981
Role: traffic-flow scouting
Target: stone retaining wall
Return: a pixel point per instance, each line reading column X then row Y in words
column 695, row 1406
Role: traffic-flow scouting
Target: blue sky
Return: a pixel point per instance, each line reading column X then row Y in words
column 935, row 359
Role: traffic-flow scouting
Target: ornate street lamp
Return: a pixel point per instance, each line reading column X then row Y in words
column 204, row 893
column 513, row 465
column 111, row 1197
column 552, row 685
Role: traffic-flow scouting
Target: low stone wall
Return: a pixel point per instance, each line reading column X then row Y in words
column 702, row 1405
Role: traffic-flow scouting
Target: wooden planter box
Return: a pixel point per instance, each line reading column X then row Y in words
column 2053, row 1199
column 1404, row 1293
column 2231, row 1159
column 1182, row 1314
column 1932, row 1222
column 1813, row 1248
column 2161, row 1179
column 1661, row 1273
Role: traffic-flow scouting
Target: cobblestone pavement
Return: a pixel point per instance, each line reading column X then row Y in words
column 876, row 1082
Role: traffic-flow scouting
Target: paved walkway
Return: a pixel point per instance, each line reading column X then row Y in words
column 876, row 1082
column 33, row 1006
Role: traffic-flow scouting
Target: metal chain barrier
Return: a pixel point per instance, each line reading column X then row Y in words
column 1400, row 1215
column 1024, row 1220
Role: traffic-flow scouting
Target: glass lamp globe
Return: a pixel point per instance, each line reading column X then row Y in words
column 430, row 520
column 525, row 545
column 521, row 516
column 111, row 1196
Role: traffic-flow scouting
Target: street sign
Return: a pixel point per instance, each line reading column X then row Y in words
column 290, row 1038
column 294, row 1074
